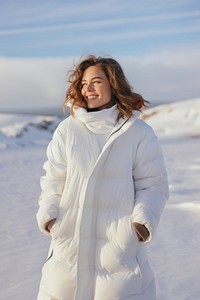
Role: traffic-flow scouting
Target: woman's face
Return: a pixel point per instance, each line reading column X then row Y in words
column 96, row 88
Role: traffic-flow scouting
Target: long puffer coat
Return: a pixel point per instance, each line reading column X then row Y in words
column 95, row 196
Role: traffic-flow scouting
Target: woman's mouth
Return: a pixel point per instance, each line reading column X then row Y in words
column 92, row 97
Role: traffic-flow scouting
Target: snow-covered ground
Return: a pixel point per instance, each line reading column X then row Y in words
column 174, row 252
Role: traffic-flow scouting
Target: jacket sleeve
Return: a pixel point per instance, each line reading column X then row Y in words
column 150, row 180
column 52, row 184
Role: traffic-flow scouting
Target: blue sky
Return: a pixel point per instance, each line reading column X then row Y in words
column 69, row 28
column 157, row 43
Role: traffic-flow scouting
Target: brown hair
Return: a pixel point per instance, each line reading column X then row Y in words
column 122, row 92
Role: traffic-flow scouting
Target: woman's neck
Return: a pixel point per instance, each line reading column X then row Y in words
column 104, row 106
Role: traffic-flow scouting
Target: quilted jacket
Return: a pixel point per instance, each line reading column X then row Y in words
column 95, row 195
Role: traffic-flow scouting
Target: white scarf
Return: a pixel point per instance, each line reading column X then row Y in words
column 99, row 122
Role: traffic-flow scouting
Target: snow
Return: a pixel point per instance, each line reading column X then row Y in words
column 174, row 251
column 179, row 119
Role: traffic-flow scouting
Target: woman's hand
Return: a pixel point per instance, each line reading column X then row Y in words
column 50, row 224
column 142, row 231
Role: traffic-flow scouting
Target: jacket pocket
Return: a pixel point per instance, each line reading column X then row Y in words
column 126, row 235
column 50, row 255
column 54, row 230
column 119, row 252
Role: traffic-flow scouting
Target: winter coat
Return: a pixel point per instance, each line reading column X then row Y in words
column 95, row 196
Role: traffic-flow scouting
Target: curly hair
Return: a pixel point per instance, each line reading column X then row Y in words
column 122, row 93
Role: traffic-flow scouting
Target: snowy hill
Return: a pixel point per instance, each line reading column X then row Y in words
column 174, row 251
column 179, row 119
column 24, row 130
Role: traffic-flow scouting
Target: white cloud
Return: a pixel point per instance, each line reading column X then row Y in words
column 110, row 22
column 167, row 75
column 21, row 12
column 34, row 83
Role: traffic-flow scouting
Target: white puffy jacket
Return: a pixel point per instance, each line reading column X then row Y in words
column 95, row 195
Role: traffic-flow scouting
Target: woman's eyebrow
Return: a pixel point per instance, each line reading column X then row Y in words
column 96, row 77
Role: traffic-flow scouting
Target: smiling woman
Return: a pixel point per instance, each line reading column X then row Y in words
column 103, row 193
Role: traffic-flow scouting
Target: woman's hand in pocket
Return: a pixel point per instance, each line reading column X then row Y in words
column 50, row 224
column 142, row 231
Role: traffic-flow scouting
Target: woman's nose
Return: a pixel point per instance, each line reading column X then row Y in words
column 90, row 87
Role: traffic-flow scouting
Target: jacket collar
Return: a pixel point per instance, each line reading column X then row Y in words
column 122, row 126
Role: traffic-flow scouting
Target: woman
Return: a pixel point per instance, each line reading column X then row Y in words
column 103, row 193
